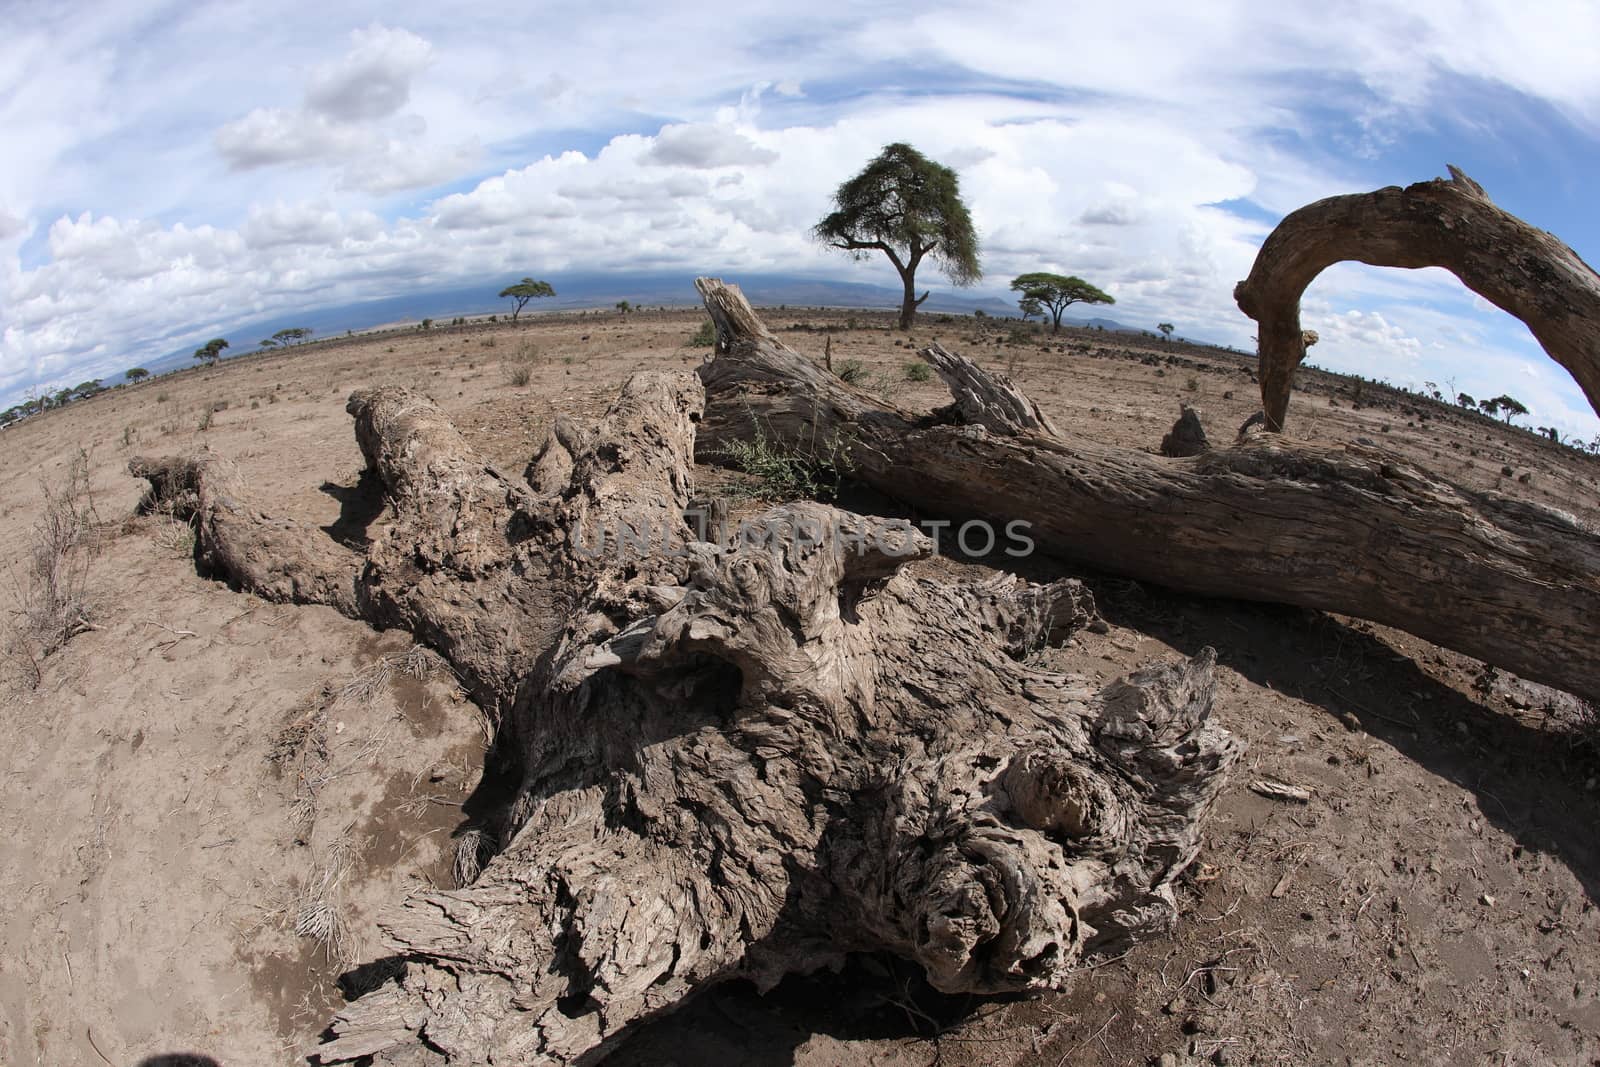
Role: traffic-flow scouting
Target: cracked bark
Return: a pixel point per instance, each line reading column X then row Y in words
column 730, row 762
column 1350, row 529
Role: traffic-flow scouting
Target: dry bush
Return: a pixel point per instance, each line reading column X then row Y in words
column 52, row 598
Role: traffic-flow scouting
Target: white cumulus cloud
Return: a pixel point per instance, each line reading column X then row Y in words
column 279, row 158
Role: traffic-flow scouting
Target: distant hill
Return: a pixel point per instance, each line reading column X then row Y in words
column 574, row 291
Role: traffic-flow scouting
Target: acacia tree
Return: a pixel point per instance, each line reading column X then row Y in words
column 624, row 307
column 1058, row 292
column 293, row 335
column 211, row 351
column 1509, row 407
column 1166, row 329
column 136, row 375
column 524, row 291
column 908, row 207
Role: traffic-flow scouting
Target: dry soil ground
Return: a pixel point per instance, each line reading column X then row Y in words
column 206, row 799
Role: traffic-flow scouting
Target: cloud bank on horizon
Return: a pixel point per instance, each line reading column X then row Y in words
column 176, row 170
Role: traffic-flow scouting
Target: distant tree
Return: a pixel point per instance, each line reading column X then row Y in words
column 211, row 351
column 624, row 307
column 908, row 207
column 1166, row 329
column 1490, row 406
column 426, row 324
column 60, row 398
column 1465, row 400
column 87, row 389
column 1058, row 292
column 1552, row 433
column 1510, row 407
column 293, row 335
column 1030, row 307
column 137, row 374
column 522, row 292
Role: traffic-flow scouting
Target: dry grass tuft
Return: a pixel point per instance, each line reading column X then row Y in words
column 317, row 912
column 173, row 534
column 52, row 599
column 415, row 662
column 473, row 849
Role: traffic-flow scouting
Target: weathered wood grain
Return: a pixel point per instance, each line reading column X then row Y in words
column 1350, row 529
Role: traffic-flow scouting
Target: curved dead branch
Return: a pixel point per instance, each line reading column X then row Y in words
column 1439, row 223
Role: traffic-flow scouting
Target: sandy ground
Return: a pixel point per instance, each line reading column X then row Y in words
column 206, row 800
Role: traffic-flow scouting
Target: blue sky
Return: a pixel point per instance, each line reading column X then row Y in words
column 175, row 169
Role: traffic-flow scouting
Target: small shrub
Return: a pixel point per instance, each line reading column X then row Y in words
column 519, row 375
column 205, row 420
column 812, row 470
column 886, row 385
column 852, row 371
column 1192, row 385
column 918, row 372
column 161, row 398
column 704, row 337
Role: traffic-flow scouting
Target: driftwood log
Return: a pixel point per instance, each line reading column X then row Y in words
column 1440, row 223
column 1350, row 529
column 727, row 760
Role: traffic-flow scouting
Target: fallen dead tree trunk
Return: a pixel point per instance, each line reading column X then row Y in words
column 1352, row 530
column 735, row 761
column 1451, row 224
